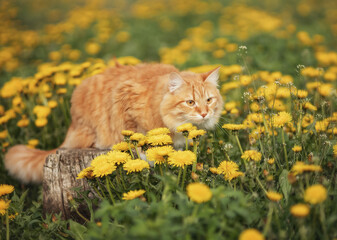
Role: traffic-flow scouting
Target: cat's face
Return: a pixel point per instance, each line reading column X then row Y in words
column 192, row 98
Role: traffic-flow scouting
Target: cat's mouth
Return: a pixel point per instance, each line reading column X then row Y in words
column 204, row 123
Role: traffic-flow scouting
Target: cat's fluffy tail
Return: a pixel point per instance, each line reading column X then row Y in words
column 26, row 163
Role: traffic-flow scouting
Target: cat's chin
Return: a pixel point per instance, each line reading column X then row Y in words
column 207, row 124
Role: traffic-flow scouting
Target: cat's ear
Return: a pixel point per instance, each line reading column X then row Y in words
column 175, row 81
column 212, row 76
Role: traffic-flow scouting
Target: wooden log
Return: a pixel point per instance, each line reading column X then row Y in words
column 59, row 178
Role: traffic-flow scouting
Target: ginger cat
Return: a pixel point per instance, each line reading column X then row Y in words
column 137, row 98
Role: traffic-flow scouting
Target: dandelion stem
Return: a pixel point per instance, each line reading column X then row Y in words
column 261, row 147
column 184, row 176
column 96, row 190
column 7, row 226
column 259, row 182
column 299, row 123
column 161, row 170
column 179, row 174
column 78, row 213
column 195, row 148
column 121, row 176
column 100, row 185
column 285, row 149
column 269, row 218
column 322, row 219
column 133, row 157
column 186, row 142
column 109, row 190
column 238, row 142
column 137, row 152
column 227, row 156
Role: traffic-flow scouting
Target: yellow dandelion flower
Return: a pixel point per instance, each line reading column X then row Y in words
column 61, row 91
column 3, row 134
column 325, row 89
column 60, row 78
column 158, row 131
column 271, row 161
column 234, row 127
column 236, row 174
column 52, row 104
column 302, row 94
column 315, row 194
column 297, row 148
column 255, row 107
column 300, row 167
column 274, row 196
column 321, row 126
column 196, row 133
column 33, row 142
column 226, row 87
column 181, row 158
column 300, row 210
column 251, row 234
column 159, row 154
column 335, row 150
column 41, row 111
column 282, row 92
column 6, row 189
column 330, row 76
column 281, row 119
column 122, row 146
column 102, row 166
column 4, row 205
column 160, row 140
column 228, row 169
column 118, row 157
column 127, row 133
column 245, row 80
column 234, row 111
column 137, row 137
column 308, row 105
column 230, row 105
column 277, row 105
column 214, row 170
column 86, row 173
column 256, row 117
column 41, row 122
column 92, row 48
column 12, row 216
column 186, row 127
column 133, row 194
column 251, row 155
column 136, row 165
column 24, row 122
column 198, row 192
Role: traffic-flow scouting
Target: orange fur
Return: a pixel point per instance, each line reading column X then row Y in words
column 137, row 98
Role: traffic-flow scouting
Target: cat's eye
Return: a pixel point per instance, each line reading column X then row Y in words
column 209, row 100
column 190, row 103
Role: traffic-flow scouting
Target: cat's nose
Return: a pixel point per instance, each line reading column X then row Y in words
column 203, row 114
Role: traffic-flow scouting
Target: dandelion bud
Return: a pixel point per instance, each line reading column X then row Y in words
column 194, row 176
column 200, row 166
column 265, row 173
column 291, row 178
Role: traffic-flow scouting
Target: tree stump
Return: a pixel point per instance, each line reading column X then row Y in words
column 59, row 178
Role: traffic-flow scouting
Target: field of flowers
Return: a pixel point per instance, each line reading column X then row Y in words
column 268, row 171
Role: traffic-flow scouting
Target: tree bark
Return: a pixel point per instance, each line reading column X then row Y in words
column 59, row 178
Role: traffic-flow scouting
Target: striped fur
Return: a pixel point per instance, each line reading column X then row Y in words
column 137, row 98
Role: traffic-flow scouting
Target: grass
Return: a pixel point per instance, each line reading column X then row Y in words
column 268, row 51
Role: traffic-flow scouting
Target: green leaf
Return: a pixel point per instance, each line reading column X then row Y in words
column 77, row 230
column 284, row 184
